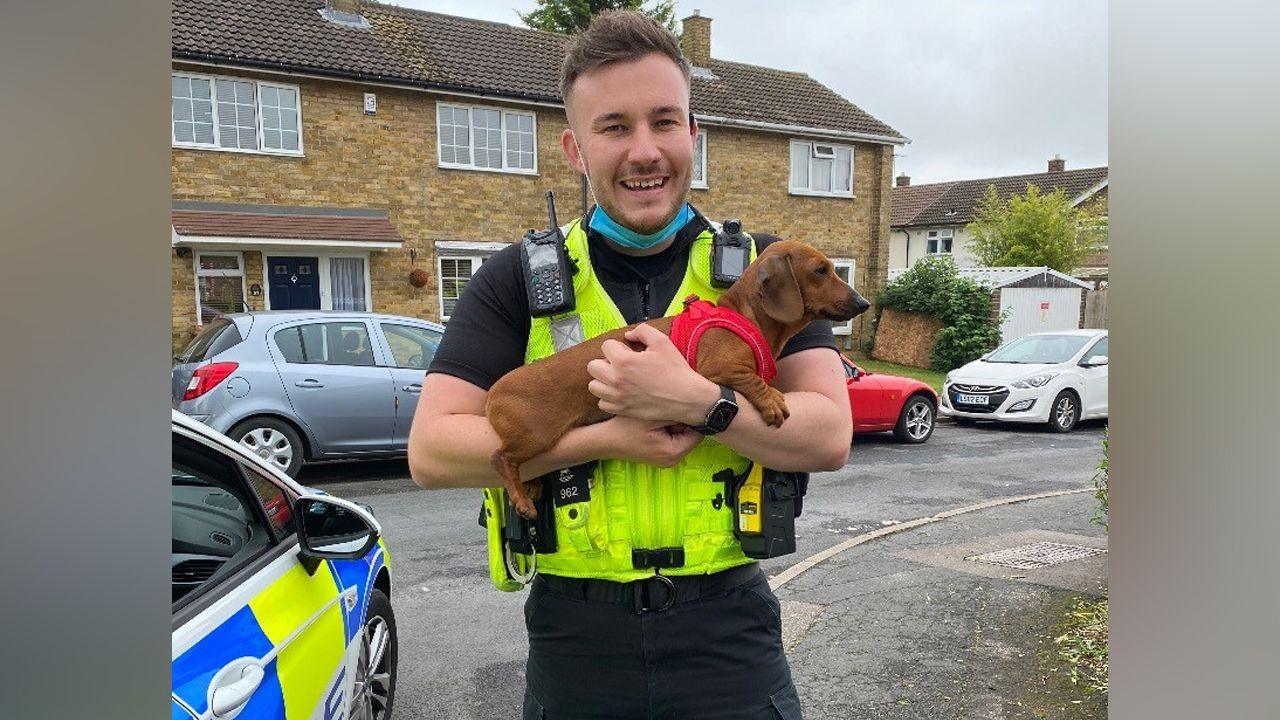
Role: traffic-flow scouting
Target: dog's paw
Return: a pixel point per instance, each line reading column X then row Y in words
column 774, row 409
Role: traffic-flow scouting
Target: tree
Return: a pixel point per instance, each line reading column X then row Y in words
column 1035, row 229
column 569, row 16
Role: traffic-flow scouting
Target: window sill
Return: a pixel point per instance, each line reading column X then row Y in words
column 471, row 168
column 212, row 148
column 815, row 193
column 698, row 187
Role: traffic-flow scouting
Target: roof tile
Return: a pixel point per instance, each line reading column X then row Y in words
column 433, row 50
column 953, row 203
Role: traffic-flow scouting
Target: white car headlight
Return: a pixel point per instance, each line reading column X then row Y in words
column 948, row 380
column 1036, row 380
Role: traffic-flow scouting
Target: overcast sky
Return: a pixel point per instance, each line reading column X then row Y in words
column 982, row 87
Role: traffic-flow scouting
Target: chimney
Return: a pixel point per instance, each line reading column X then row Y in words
column 903, row 180
column 695, row 39
column 1057, row 164
column 350, row 7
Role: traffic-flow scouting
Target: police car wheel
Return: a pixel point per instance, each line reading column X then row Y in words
column 376, row 669
column 272, row 440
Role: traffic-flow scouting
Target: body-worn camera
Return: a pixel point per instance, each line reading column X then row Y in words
column 730, row 254
column 548, row 270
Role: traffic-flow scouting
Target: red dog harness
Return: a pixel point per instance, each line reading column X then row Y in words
column 700, row 316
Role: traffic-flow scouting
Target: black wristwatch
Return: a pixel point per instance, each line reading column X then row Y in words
column 720, row 414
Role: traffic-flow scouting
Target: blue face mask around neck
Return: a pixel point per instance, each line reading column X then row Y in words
column 608, row 227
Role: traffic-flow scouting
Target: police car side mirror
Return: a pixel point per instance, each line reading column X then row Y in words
column 330, row 528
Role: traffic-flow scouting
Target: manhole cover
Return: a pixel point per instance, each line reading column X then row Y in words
column 1037, row 555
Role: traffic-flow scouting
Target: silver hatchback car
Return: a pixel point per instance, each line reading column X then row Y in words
column 300, row 386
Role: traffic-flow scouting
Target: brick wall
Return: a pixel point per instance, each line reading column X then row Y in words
column 389, row 161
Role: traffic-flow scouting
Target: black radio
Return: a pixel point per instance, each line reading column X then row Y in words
column 548, row 270
column 730, row 254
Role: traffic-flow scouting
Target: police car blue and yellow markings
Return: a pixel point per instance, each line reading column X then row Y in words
column 358, row 576
column 276, row 629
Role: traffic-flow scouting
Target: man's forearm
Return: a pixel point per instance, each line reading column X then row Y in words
column 809, row 441
column 455, row 451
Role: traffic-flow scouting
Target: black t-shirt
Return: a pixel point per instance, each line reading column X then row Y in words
column 488, row 331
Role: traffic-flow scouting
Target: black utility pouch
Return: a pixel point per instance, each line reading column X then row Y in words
column 523, row 535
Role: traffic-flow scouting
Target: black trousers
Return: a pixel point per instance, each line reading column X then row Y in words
column 718, row 656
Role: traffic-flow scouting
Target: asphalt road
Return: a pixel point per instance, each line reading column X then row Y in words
column 462, row 643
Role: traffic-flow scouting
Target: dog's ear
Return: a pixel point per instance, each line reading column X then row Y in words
column 778, row 287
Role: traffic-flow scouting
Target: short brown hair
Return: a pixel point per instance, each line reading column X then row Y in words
column 617, row 36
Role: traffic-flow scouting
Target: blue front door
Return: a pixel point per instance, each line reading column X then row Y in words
column 295, row 283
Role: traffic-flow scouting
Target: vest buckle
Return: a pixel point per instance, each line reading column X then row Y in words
column 669, row 557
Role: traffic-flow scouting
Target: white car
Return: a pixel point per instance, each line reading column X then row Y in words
column 1057, row 378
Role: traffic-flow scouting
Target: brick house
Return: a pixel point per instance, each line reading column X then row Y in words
column 931, row 219
column 322, row 152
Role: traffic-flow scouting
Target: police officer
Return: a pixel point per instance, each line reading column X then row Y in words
column 648, row 608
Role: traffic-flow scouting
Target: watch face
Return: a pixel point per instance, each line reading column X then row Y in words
column 721, row 415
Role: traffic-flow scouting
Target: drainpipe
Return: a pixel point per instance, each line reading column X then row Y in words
column 908, row 256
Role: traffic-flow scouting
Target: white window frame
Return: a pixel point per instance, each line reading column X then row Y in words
column 939, row 236
column 809, row 153
column 845, row 328
column 700, row 161
column 257, row 114
column 326, row 282
column 199, row 273
column 477, row 259
column 503, row 113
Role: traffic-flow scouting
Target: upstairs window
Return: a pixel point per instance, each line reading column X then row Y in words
column 485, row 138
column 235, row 114
column 940, row 242
column 821, row 169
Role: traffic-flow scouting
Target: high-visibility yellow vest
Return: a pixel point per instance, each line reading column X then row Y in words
column 631, row 506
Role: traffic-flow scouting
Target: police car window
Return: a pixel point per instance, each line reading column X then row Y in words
column 217, row 524
column 411, row 347
column 274, row 501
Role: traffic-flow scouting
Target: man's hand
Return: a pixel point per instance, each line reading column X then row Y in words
column 653, row 384
column 646, row 441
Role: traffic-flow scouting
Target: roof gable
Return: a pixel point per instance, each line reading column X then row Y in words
column 445, row 52
column 954, row 203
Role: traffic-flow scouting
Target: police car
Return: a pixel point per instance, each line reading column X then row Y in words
column 281, row 593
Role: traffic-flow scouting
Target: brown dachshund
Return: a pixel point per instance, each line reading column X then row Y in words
column 789, row 285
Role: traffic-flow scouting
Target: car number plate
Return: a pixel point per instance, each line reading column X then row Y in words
column 973, row 399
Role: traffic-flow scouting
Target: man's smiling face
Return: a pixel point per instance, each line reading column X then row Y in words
column 631, row 120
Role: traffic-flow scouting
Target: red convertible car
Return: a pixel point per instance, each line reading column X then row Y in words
column 887, row 402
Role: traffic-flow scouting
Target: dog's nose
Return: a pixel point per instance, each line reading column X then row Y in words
column 860, row 303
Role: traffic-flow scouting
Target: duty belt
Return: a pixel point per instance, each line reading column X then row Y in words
column 656, row 593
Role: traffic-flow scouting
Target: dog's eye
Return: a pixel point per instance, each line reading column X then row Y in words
column 820, row 270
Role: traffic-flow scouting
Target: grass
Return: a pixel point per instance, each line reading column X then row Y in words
column 933, row 378
column 1083, row 645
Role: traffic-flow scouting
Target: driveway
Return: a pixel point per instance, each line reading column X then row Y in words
column 463, row 644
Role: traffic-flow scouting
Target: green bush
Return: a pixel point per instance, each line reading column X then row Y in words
column 1101, row 481
column 933, row 287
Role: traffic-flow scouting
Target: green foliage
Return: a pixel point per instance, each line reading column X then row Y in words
column 1035, row 229
column 1083, row 645
column 1101, row 480
column 570, row 16
column 933, row 287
